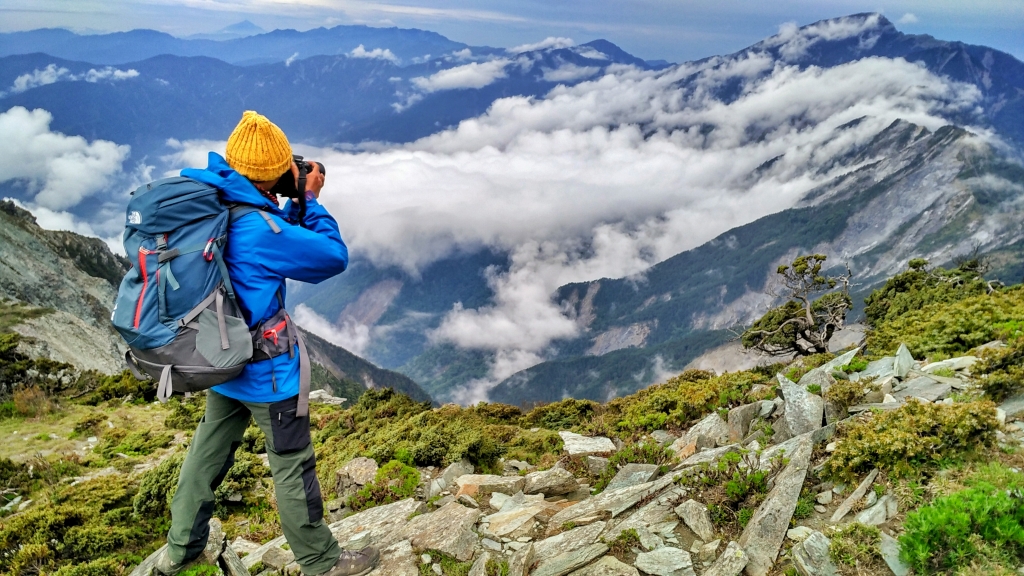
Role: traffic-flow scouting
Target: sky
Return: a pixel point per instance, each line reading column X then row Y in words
column 673, row 30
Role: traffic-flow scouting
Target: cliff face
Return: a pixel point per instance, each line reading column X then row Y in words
column 72, row 275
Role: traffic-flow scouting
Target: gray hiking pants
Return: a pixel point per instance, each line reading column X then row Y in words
column 292, row 463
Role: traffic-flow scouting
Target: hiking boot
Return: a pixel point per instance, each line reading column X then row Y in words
column 164, row 566
column 355, row 562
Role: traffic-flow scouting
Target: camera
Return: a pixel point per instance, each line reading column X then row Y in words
column 288, row 187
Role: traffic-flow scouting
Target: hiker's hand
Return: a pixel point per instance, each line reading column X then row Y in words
column 314, row 180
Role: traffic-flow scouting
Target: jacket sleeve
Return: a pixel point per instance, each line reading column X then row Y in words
column 312, row 254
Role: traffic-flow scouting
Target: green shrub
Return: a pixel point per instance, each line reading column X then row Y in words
column 450, row 566
column 139, row 443
column 1001, row 370
column 394, row 481
column 624, row 543
column 185, row 412
column 957, row 529
column 857, row 546
column 104, row 387
column 157, row 488
column 680, row 401
column 633, row 453
column 918, row 287
column 567, row 414
column 949, row 329
column 845, row 393
column 912, row 439
column 244, row 478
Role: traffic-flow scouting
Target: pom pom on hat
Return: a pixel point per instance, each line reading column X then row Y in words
column 258, row 149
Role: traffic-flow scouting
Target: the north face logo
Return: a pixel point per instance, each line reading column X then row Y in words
column 134, row 217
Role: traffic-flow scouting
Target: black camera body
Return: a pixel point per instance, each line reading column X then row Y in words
column 288, row 187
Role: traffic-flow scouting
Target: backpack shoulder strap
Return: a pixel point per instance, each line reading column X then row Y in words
column 239, row 210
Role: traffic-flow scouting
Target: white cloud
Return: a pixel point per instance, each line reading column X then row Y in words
column 551, row 42
column 908, row 18
column 60, row 170
column 472, row 75
column 351, row 336
column 793, row 41
column 292, row 58
column 607, row 177
column 377, row 53
column 569, row 72
column 52, row 74
column 589, row 52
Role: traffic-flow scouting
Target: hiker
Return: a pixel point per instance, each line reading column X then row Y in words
column 264, row 247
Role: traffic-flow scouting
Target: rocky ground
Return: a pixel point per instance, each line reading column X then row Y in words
column 663, row 520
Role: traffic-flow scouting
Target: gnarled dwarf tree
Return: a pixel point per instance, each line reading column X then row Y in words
column 815, row 309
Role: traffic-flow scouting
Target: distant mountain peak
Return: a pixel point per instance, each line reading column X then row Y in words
column 243, row 27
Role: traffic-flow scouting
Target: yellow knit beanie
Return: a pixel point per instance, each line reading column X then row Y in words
column 258, row 149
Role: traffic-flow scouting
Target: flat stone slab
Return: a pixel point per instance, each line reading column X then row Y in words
column 633, row 474
column 544, row 550
column 696, row 517
column 923, row 387
column 552, row 482
column 764, row 534
column 730, row 563
column 711, row 427
column 1013, row 405
column 656, row 518
column 483, row 484
column 707, row 456
column 811, row 557
column 397, row 560
column 448, row 529
column 891, row 554
column 859, row 493
column 665, row 561
column 959, row 363
column 804, row 410
column 576, row 444
column 610, row 502
column 570, row 561
column 357, row 471
column 607, row 566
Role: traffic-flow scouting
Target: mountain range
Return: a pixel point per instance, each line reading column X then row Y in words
column 940, row 177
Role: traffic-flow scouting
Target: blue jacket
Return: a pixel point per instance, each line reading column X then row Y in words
column 259, row 261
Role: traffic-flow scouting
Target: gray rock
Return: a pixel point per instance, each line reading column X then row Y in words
column 823, row 380
column 575, row 444
column 1013, row 405
column 456, row 469
column 857, row 494
column 519, row 564
column 468, row 501
column 633, row 474
column 709, row 551
column 356, row 472
column 886, row 406
column 665, row 561
column 904, row 362
column 811, row 556
column 610, row 502
column 656, row 517
column 880, row 368
column 767, row 409
column 397, row 559
column 839, row 361
column 277, row 558
column 960, row 363
column 516, row 515
column 825, row 497
column 923, row 387
column 891, row 554
column 765, row 532
column 875, row 515
column 552, row 482
column 804, row 410
column 696, row 517
column 547, row 549
column 892, row 507
column 707, row 456
column 597, row 465
column 607, row 566
column 483, row 484
column 730, row 563
column 663, row 438
column 570, row 561
column 242, row 546
column 479, row 567
column 739, row 420
column 358, row 541
column 799, row 534
column 231, row 564
column 491, row 544
column 448, row 530
column 712, row 427
column 325, row 397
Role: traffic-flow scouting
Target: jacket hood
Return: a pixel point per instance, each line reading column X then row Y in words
column 234, row 188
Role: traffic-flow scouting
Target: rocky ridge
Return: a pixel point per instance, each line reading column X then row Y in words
column 648, row 519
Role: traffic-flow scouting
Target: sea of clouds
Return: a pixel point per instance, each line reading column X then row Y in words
column 600, row 179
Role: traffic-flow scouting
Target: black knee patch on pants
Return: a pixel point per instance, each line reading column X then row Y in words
column 200, row 532
column 291, row 433
column 227, row 466
column 311, row 486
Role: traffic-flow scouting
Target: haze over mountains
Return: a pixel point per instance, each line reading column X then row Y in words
column 490, row 194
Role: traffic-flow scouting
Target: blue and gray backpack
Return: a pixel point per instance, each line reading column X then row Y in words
column 176, row 308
